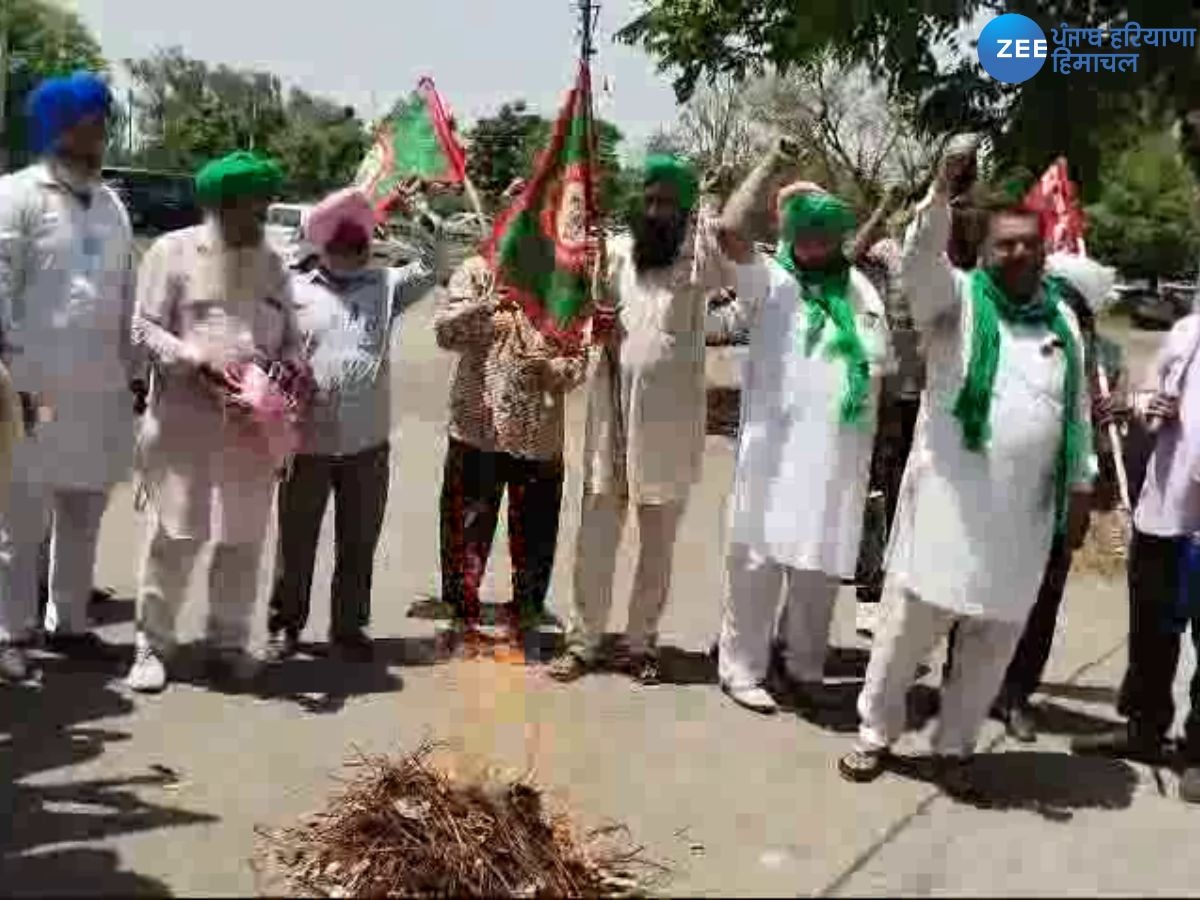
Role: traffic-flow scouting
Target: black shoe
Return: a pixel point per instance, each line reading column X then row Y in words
column 1121, row 743
column 356, row 648
column 1019, row 723
column 1189, row 784
column 14, row 663
column 86, row 646
column 281, row 646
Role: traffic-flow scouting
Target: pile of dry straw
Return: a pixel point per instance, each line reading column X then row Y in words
column 404, row 827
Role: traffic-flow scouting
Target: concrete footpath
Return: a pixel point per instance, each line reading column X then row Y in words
column 104, row 793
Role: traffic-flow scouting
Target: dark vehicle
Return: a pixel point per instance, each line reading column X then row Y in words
column 157, row 201
column 1158, row 311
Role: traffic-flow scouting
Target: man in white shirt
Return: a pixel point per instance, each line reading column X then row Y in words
column 1000, row 465
column 347, row 312
column 1164, row 567
column 66, row 303
column 810, row 389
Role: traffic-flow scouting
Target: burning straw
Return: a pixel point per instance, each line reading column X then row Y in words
column 404, row 827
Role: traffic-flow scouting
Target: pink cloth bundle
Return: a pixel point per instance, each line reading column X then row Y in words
column 275, row 402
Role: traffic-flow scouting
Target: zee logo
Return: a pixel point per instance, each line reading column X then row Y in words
column 1012, row 48
column 1021, row 49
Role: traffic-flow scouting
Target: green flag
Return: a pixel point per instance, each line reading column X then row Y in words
column 417, row 139
column 543, row 246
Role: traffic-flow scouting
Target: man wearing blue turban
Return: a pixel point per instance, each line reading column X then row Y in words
column 66, row 300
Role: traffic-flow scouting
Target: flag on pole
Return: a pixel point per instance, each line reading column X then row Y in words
column 543, row 247
column 417, row 139
column 1056, row 201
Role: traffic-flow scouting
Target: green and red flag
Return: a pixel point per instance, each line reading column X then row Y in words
column 543, row 247
column 417, row 139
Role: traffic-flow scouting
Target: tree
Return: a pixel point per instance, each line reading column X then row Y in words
column 43, row 40
column 853, row 138
column 912, row 48
column 717, row 127
column 501, row 147
column 506, row 146
column 190, row 112
column 1146, row 221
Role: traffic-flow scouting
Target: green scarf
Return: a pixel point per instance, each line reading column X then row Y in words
column 826, row 295
column 990, row 305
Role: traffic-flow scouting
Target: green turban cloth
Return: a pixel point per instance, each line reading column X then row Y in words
column 676, row 172
column 240, row 174
column 826, row 294
column 990, row 306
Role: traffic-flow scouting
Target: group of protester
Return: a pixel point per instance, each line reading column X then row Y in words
column 969, row 343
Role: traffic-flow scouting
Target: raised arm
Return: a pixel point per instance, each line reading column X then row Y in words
column 464, row 318
column 750, row 198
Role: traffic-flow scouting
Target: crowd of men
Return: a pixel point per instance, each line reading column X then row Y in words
column 956, row 377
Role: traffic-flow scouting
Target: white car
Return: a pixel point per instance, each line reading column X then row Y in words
column 285, row 230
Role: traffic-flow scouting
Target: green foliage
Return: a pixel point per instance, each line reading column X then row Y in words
column 1031, row 123
column 190, row 112
column 1146, row 222
column 43, row 40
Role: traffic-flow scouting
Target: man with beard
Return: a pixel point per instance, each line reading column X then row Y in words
column 210, row 297
column 1000, row 466
column 818, row 350
column 66, row 289
column 645, row 425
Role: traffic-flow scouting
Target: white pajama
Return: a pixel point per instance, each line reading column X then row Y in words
column 909, row 632
column 752, row 609
column 74, row 519
column 600, row 529
column 232, row 589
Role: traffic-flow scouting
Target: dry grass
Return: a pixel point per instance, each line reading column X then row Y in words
column 406, row 827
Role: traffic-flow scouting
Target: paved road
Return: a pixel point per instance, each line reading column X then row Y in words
column 102, row 792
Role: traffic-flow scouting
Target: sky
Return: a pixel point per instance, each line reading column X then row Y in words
column 366, row 53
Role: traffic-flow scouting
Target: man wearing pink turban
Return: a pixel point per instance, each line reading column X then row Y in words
column 347, row 311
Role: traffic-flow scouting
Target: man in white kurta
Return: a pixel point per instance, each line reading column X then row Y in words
column 209, row 297
column 795, row 514
column 645, row 432
column 66, row 295
column 974, row 527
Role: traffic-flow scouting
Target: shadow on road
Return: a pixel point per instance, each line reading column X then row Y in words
column 1053, row 785
column 1083, row 693
column 43, row 728
column 1055, row 719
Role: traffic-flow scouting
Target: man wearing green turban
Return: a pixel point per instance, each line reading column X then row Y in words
column 211, row 300
column 818, row 351
column 645, row 428
column 1001, row 467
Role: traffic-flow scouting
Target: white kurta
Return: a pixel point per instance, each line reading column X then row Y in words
column 655, row 458
column 973, row 530
column 66, row 301
column 801, row 477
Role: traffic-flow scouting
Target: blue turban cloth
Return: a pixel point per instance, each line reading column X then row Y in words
column 58, row 104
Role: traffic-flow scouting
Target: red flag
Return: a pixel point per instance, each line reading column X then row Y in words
column 1056, row 201
column 416, row 139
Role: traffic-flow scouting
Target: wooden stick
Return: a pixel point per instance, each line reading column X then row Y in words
column 473, row 196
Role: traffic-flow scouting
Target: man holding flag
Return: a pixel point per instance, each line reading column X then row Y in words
column 645, row 426
column 516, row 317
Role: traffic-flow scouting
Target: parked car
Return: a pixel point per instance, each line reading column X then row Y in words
column 1161, row 309
column 157, row 202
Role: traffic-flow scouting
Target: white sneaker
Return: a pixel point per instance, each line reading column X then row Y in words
column 866, row 618
column 756, row 699
column 148, row 674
